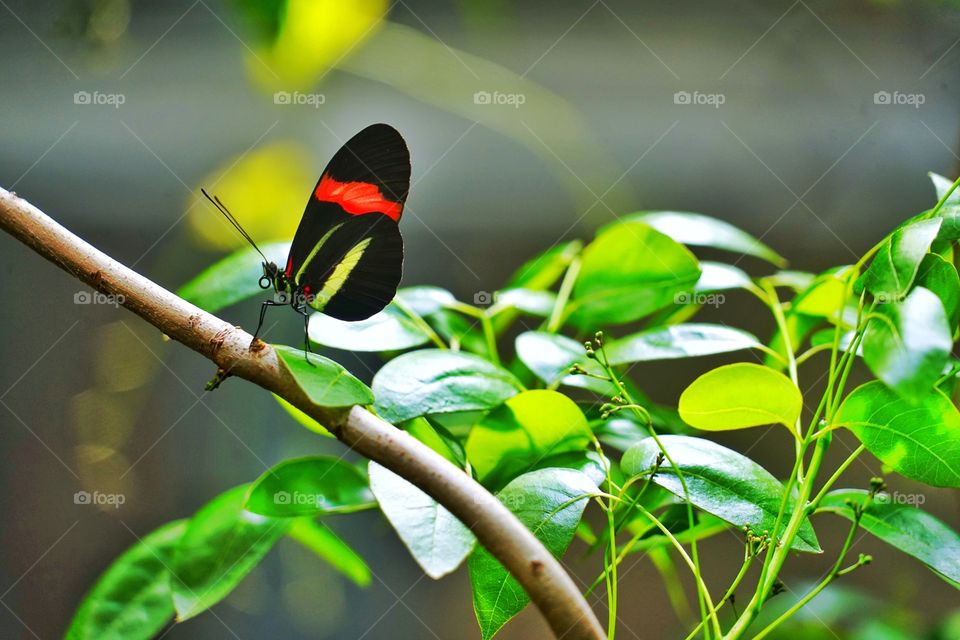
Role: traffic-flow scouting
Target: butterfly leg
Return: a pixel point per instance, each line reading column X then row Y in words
column 263, row 314
column 306, row 335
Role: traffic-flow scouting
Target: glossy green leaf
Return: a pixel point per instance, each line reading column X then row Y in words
column 309, row 486
column 907, row 343
column 529, row 301
column 919, row 439
column 232, row 279
column 893, row 269
column 740, row 395
column 909, row 529
column 435, row 538
column 302, row 418
column 696, row 229
column 221, row 545
column 721, row 482
column 628, row 272
column 389, row 330
column 131, row 599
column 437, row 438
column 425, row 300
column 459, row 332
column 717, row 276
column 679, row 341
column 940, row 277
column 438, row 381
column 331, row 548
column 325, row 382
column 545, row 269
column 550, row 502
column 942, row 185
column 522, row 431
column 827, row 296
column 796, row 280
column 549, row 356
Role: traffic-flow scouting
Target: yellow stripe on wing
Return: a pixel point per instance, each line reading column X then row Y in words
column 341, row 272
column 313, row 252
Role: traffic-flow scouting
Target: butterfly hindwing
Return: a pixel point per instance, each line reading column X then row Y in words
column 347, row 254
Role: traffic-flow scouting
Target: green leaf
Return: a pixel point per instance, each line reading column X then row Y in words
column 424, row 300
column 912, row 530
column 550, row 502
column 304, row 420
column 437, row 438
column 131, row 599
column 893, row 269
column 696, row 229
column 309, row 486
column 437, row 381
column 325, row 382
column 549, row 356
column 534, row 303
column 827, row 296
column 328, row 546
column 232, row 279
column 721, row 482
column 221, row 545
column 435, row 538
column 919, row 439
column 458, row 331
column 940, row 277
column 796, row 280
column 522, row 431
column 679, row 341
column 544, row 270
column 942, row 186
column 907, row 343
column 628, row 272
column 717, row 276
column 741, row 395
column 389, row 330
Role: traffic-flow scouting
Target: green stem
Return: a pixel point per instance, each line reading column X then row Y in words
column 833, row 479
column 422, row 324
column 726, row 597
column 563, row 297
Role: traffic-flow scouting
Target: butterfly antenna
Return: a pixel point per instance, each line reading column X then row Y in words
column 233, row 221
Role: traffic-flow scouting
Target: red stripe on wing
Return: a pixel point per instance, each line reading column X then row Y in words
column 357, row 198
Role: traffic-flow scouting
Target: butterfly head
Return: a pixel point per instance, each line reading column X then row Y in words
column 273, row 277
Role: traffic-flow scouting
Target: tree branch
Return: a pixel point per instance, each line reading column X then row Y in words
column 540, row 574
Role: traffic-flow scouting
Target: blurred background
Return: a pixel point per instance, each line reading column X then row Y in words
column 811, row 124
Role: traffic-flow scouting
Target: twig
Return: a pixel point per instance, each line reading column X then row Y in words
column 540, row 574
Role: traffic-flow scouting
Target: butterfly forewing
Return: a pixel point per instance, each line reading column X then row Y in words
column 347, row 254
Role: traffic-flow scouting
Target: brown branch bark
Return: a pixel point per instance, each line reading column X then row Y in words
column 540, row 574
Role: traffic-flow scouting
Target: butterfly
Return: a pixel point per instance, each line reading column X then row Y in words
column 346, row 258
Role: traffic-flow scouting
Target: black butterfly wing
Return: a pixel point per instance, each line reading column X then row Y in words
column 347, row 254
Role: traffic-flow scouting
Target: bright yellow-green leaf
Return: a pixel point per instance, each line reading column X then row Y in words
column 741, row 395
